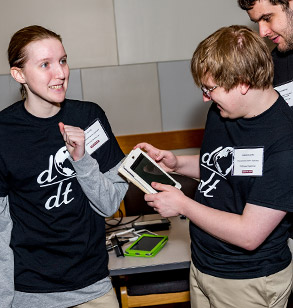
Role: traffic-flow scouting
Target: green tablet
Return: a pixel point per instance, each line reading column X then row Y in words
column 146, row 245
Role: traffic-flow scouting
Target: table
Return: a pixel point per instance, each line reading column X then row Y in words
column 174, row 255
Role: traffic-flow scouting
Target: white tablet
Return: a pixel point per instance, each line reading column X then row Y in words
column 142, row 170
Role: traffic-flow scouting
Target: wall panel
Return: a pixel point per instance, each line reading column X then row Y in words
column 87, row 28
column 181, row 100
column 164, row 30
column 129, row 95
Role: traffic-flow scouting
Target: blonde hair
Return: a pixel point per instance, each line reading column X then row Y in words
column 231, row 56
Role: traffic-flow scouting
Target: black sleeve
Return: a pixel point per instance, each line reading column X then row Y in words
column 275, row 188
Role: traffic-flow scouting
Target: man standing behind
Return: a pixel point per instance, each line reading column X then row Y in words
column 275, row 21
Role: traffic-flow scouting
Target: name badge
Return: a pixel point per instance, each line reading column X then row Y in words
column 286, row 91
column 95, row 137
column 248, row 161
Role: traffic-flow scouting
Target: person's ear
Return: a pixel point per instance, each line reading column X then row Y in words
column 17, row 74
column 244, row 88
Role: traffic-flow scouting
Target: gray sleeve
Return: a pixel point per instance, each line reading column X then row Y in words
column 105, row 191
column 6, row 256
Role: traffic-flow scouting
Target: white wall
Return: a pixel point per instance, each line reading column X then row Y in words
column 130, row 56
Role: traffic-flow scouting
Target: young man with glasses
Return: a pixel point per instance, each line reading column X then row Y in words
column 238, row 222
column 275, row 21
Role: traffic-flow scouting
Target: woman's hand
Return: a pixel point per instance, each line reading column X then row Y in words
column 74, row 139
column 166, row 159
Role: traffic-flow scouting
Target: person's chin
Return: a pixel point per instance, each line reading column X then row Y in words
column 284, row 47
column 224, row 114
column 59, row 98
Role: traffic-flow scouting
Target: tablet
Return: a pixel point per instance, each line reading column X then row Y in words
column 146, row 245
column 142, row 170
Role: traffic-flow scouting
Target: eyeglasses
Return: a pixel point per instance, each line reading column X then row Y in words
column 207, row 92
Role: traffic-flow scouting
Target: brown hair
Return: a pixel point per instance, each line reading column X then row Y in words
column 248, row 4
column 231, row 56
column 17, row 56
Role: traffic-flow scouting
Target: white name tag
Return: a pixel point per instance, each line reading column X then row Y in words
column 95, row 137
column 286, row 90
column 248, row 162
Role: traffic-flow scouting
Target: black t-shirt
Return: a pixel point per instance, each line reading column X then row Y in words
column 283, row 67
column 272, row 130
column 283, row 74
column 57, row 239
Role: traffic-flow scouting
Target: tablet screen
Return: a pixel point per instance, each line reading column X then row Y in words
column 149, row 172
column 146, row 243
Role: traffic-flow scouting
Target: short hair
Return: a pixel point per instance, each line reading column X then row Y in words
column 231, row 56
column 17, row 56
column 249, row 4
